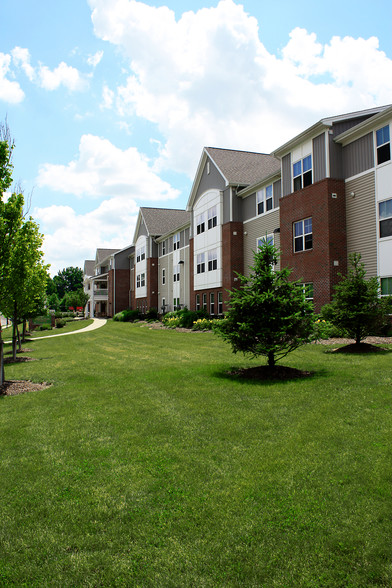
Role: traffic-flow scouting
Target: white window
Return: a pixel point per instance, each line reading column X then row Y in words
column 176, row 273
column 385, row 218
column 212, row 260
column 204, row 301
column 302, row 173
column 200, row 224
column 142, row 280
column 212, row 303
column 163, row 307
column 307, row 289
column 200, row 266
column 267, row 239
column 386, row 286
column 197, row 301
column 220, row 303
column 265, row 200
column 383, row 145
column 176, row 304
column 141, row 254
column 176, row 241
column 212, row 217
column 163, row 276
column 138, row 281
column 303, row 236
column 163, row 247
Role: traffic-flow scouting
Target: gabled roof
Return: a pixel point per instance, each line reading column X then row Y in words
column 242, row 167
column 89, row 265
column 159, row 221
column 382, row 115
column 103, row 254
column 326, row 123
column 237, row 168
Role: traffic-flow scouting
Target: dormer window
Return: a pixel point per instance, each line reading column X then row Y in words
column 383, row 145
column 302, row 173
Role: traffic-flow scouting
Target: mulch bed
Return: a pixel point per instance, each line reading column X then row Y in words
column 15, row 387
column 265, row 372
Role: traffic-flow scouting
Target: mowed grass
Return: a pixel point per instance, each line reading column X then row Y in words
column 145, row 464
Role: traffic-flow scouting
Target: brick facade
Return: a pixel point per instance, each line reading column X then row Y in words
column 324, row 202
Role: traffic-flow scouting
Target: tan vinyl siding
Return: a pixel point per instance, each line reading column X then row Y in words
column 361, row 221
column 254, row 229
column 165, row 290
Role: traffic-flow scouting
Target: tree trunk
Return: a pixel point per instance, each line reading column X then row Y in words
column 19, row 339
column 271, row 358
column 358, row 337
column 2, row 377
column 24, row 331
column 14, row 329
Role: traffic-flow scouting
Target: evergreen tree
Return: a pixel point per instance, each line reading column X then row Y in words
column 356, row 305
column 268, row 314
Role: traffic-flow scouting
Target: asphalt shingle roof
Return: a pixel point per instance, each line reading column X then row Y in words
column 89, row 265
column 104, row 253
column 160, row 221
column 243, row 167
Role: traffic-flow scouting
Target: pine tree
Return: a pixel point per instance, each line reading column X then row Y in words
column 268, row 315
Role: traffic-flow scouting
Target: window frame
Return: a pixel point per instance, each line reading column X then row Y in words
column 304, row 236
column 270, row 238
column 220, row 303
column 204, row 301
column 385, row 218
column 200, row 224
column 212, row 303
column 197, row 301
column 200, row 263
column 176, row 273
column 212, row 217
column 303, row 177
column 383, row 148
column 163, row 276
column 212, row 260
column 389, row 286
column 176, row 241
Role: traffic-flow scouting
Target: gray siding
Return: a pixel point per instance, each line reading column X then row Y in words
column 254, row 229
column 358, row 156
column 166, row 290
column 142, row 230
column 277, row 192
column 209, row 181
column 319, row 162
column 286, row 174
column 226, row 205
column 249, row 207
column 361, row 221
column 335, row 159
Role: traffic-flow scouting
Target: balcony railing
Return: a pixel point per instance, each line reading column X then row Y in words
column 100, row 292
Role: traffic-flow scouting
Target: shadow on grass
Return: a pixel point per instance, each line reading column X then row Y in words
column 265, row 374
column 361, row 349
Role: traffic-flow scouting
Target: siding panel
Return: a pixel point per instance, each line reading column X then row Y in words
column 319, row 162
column 263, row 225
column 358, row 156
column 286, row 174
column 362, row 222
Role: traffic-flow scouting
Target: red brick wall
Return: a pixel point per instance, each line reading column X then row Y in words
column 232, row 255
column 329, row 236
column 122, row 290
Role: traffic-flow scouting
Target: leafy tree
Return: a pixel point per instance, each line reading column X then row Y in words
column 53, row 301
column 75, row 299
column 356, row 305
column 268, row 314
column 68, row 280
column 25, row 276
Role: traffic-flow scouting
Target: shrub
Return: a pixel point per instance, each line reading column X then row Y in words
column 152, row 314
column 60, row 322
column 127, row 316
column 45, row 327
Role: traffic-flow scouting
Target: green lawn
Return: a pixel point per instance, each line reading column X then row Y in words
column 146, row 465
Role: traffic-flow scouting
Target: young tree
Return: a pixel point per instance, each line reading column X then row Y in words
column 25, row 276
column 268, row 314
column 356, row 306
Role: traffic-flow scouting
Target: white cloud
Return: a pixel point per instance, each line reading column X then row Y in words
column 207, row 79
column 62, row 75
column 103, row 170
column 10, row 91
column 95, row 59
column 107, row 97
column 76, row 236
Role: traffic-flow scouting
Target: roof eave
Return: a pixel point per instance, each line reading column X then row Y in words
column 257, row 185
column 367, row 125
column 318, row 127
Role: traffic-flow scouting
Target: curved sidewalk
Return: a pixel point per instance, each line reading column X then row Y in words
column 96, row 324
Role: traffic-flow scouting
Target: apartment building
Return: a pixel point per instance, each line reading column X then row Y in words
column 324, row 194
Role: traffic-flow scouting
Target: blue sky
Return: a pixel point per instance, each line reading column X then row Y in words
column 111, row 102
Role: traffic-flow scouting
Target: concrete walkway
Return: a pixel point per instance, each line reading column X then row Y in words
column 96, row 324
